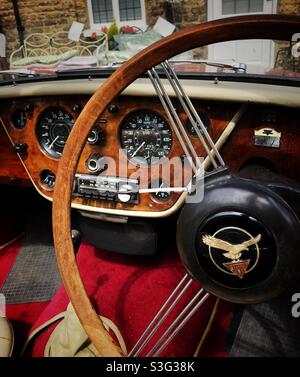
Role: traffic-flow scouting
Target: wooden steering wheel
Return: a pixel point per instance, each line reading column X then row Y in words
column 249, row 27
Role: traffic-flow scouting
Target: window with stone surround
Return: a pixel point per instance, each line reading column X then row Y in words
column 124, row 12
column 242, row 6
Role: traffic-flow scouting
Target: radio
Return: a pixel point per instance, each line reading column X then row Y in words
column 115, row 189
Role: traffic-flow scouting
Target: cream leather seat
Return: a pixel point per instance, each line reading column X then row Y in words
column 6, row 337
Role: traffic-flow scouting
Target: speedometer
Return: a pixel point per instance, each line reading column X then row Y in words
column 53, row 128
column 146, row 136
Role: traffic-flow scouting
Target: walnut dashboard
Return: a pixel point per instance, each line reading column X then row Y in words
column 38, row 129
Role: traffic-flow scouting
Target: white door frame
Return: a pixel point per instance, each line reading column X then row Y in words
column 210, row 17
column 210, row 9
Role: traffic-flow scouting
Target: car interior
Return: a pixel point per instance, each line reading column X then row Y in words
column 153, row 208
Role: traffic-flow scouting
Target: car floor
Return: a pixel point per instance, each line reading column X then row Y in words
column 22, row 316
column 128, row 290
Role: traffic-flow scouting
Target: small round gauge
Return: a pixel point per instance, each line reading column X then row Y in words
column 206, row 122
column 48, row 179
column 146, row 136
column 19, row 118
column 53, row 128
column 161, row 196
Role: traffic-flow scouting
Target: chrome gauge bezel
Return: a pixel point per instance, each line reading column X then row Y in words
column 151, row 153
column 46, row 133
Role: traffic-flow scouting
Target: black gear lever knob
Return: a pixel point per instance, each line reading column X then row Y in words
column 76, row 238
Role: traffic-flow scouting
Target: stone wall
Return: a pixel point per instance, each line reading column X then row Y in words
column 190, row 12
column 284, row 59
column 288, row 7
column 40, row 16
column 182, row 12
column 51, row 16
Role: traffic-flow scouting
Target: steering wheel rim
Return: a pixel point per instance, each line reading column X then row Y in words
column 246, row 27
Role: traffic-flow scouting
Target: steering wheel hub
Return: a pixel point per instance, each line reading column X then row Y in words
column 235, row 249
column 233, row 241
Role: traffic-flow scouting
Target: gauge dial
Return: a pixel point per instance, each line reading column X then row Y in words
column 48, row 179
column 53, row 128
column 19, row 119
column 206, row 122
column 146, row 136
column 161, row 196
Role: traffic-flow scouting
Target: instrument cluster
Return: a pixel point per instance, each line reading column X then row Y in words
column 145, row 135
column 136, row 128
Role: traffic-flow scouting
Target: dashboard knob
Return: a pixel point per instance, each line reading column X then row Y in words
column 96, row 136
column 93, row 136
column 21, row 147
column 28, row 108
column 124, row 193
column 77, row 108
column 113, row 108
column 96, row 163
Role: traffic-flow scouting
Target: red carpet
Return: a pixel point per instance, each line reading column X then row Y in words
column 8, row 256
column 129, row 291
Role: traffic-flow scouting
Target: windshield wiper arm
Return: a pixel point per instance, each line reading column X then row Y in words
column 237, row 67
column 19, row 73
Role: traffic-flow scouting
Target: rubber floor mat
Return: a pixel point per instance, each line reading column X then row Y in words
column 34, row 276
column 269, row 329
